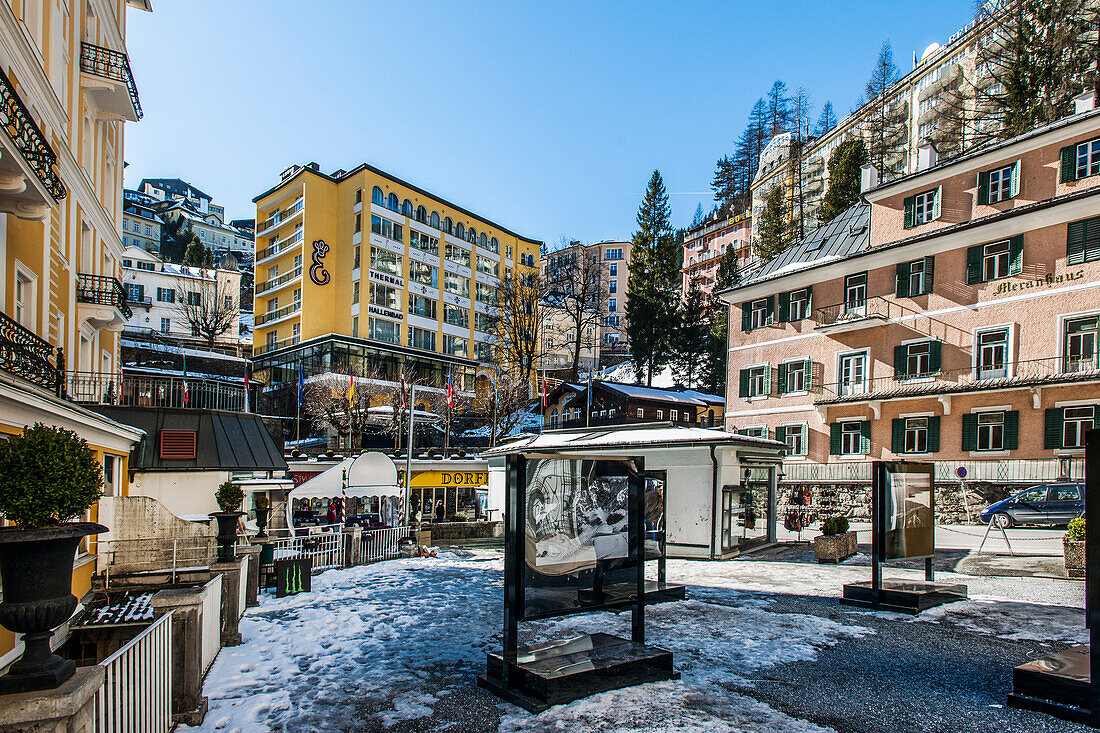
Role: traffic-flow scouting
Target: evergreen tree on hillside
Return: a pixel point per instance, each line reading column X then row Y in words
column 198, row 255
column 176, row 236
column 886, row 127
column 779, row 109
column 690, row 339
column 653, row 285
column 826, row 121
column 845, row 170
column 733, row 174
column 713, row 378
column 699, row 217
column 773, row 234
column 729, row 271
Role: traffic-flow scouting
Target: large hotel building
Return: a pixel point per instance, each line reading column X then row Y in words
column 359, row 268
column 951, row 316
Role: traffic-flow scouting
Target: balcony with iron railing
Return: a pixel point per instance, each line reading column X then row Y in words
column 276, row 314
column 275, row 345
column 278, row 247
column 279, row 217
column 103, row 292
column 1051, row 370
column 278, row 281
column 96, row 388
column 110, row 81
column 852, row 315
column 27, row 356
column 25, row 153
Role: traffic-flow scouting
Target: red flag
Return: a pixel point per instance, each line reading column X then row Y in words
column 544, row 395
column 450, row 391
column 404, row 394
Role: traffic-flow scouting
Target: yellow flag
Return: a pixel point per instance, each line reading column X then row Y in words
column 351, row 389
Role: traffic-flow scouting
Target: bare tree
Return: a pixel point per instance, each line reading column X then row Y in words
column 332, row 403
column 517, row 323
column 208, row 301
column 504, row 408
column 577, row 291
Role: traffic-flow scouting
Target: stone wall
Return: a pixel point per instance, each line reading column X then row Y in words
column 465, row 530
column 146, row 536
column 954, row 504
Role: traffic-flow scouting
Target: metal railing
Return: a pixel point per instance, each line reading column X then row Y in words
column 324, row 544
column 26, row 355
column 1017, row 374
column 278, row 280
column 102, row 290
column 266, row 347
column 110, row 64
column 24, row 133
column 211, row 621
column 286, row 310
column 279, row 217
column 136, row 696
column 145, row 302
column 277, row 247
column 852, row 311
column 1012, row 471
column 382, row 544
column 96, row 388
column 154, row 555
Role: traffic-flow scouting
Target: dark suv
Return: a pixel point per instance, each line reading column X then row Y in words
column 1049, row 504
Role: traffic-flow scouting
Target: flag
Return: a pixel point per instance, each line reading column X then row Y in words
column 351, row 389
column 246, row 370
column 544, row 396
column 186, row 392
column 404, row 394
column 301, row 386
column 450, row 391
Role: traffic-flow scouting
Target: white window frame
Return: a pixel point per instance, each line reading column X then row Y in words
column 915, row 432
column 25, row 312
column 1010, row 366
column 1063, row 338
column 846, row 434
column 763, row 377
column 803, row 437
column 805, row 376
column 754, row 322
column 803, row 303
column 863, row 384
column 1002, row 189
column 924, row 207
column 996, row 260
column 992, row 431
column 1080, row 422
column 1087, row 157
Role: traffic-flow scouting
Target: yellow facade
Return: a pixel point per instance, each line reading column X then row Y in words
column 66, row 92
column 333, row 261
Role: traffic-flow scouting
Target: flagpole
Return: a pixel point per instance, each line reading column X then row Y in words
column 588, row 409
column 298, row 420
column 409, row 450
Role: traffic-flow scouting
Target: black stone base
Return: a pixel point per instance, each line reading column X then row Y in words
column 1057, row 685
column 49, row 678
column 558, row 672
column 655, row 592
column 903, row 596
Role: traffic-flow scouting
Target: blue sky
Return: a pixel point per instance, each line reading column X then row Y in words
column 547, row 118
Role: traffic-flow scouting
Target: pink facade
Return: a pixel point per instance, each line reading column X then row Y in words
column 705, row 244
column 970, row 337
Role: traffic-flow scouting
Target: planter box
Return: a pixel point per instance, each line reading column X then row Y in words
column 835, row 548
column 1075, row 558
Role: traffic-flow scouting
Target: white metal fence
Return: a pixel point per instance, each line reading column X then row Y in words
column 1017, row 471
column 242, row 585
column 136, row 696
column 211, row 621
column 382, row 544
column 325, row 545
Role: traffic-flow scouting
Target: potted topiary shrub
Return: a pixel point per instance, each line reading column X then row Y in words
column 229, row 497
column 1073, row 548
column 835, row 543
column 263, row 512
column 48, row 476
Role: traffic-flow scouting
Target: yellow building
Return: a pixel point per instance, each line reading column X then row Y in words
column 65, row 94
column 360, row 267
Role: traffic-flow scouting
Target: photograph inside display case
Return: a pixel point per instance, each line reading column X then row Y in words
column 654, row 515
column 910, row 530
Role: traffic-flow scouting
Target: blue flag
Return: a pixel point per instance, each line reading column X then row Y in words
column 301, row 385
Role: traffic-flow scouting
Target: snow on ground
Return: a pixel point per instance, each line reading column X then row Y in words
column 1013, row 620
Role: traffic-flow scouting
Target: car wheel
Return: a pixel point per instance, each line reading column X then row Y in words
column 1002, row 520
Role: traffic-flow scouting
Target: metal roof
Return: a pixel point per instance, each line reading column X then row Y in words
column 129, row 608
column 647, row 435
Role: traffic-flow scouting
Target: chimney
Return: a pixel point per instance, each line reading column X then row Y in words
column 1084, row 102
column 927, row 155
column 868, row 178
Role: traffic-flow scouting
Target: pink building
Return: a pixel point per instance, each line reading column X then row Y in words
column 705, row 244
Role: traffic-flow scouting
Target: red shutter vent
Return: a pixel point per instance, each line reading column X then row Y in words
column 177, row 444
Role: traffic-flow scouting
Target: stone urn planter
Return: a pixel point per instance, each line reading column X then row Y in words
column 227, row 534
column 36, row 569
column 835, row 548
column 262, row 515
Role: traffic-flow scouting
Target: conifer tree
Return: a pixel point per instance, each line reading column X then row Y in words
column 886, row 127
column 845, row 170
column 699, row 217
column 826, row 121
column 690, row 339
column 653, row 285
column 773, row 234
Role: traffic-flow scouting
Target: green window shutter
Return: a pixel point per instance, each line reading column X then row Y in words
column 746, row 316
column 910, row 207
column 970, row 432
column 936, row 203
column 974, row 265
column 1012, row 429
column 935, row 356
column 897, row 435
column 1016, row 255
column 929, row 273
column 901, row 359
column 809, row 300
column 1075, row 243
column 983, row 187
column 1052, row 435
column 805, row 430
column 781, row 434
column 865, row 436
column 768, row 379
column 809, row 370
column 770, row 317
column 902, row 287
column 1092, row 239
column 834, row 439
column 744, row 386
column 934, row 435
column 784, row 307
column 1014, row 183
column 1069, row 164
column 781, row 379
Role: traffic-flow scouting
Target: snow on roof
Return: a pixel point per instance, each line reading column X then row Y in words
column 652, row 393
column 173, row 349
column 621, row 436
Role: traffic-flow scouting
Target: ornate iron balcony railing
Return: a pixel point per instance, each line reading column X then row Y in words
column 102, row 290
column 110, row 64
column 21, row 128
column 854, row 311
column 97, row 388
column 25, row 355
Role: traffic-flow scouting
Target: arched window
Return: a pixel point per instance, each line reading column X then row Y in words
column 434, row 221
column 496, row 245
column 377, row 197
column 448, row 226
column 460, row 230
column 421, row 215
column 392, row 203
column 471, row 235
column 407, row 207
column 483, row 240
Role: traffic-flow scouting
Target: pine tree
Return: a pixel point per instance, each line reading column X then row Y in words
column 826, row 121
column 689, row 341
column 779, row 109
column 885, row 127
column 773, row 233
column 713, row 378
column 699, row 217
column 733, row 174
column 845, row 171
column 653, row 285
column 198, row 255
column 729, row 271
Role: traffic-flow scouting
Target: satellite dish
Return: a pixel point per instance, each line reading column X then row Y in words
column 932, row 48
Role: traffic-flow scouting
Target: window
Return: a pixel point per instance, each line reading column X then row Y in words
column 919, row 359
column 424, row 307
column 486, row 294
column 354, row 261
column 165, row 325
column 992, row 358
column 381, row 295
column 423, row 242
column 381, row 330
column 488, row 266
column 456, row 284
column 991, row 431
column 795, row 438
column 795, row 306
column 915, row 278
column 166, row 295
column 355, row 291
column 147, row 266
column 454, row 345
column 484, row 352
column 1081, row 344
column 916, row 435
column 850, row 438
column 194, row 298
column 757, row 313
column 24, row 299
column 614, row 270
column 358, row 195
column 377, row 197
column 359, row 222
column 613, row 286
column 994, row 260
column 458, row 255
column 855, row 294
column 433, row 221
column 660, row 414
column 448, row 225
column 483, row 322
column 392, row 203
column 386, row 228
column 611, row 338
column 460, row 230
column 794, row 376
column 999, row 185
column 922, row 208
column 611, row 321
column 612, row 305
column 613, row 254
column 1088, row 158
column 673, row 415
column 382, row 260
column 135, row 293
column 355, row 326
column 1083, row 241
column 853, row 374
column 423, row 274
column 1075, row 422
column 407, row 208
column 640, row 412
column 456, row 316
column 756, row 381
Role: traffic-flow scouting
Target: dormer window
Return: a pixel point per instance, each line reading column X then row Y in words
column 1080, row 160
